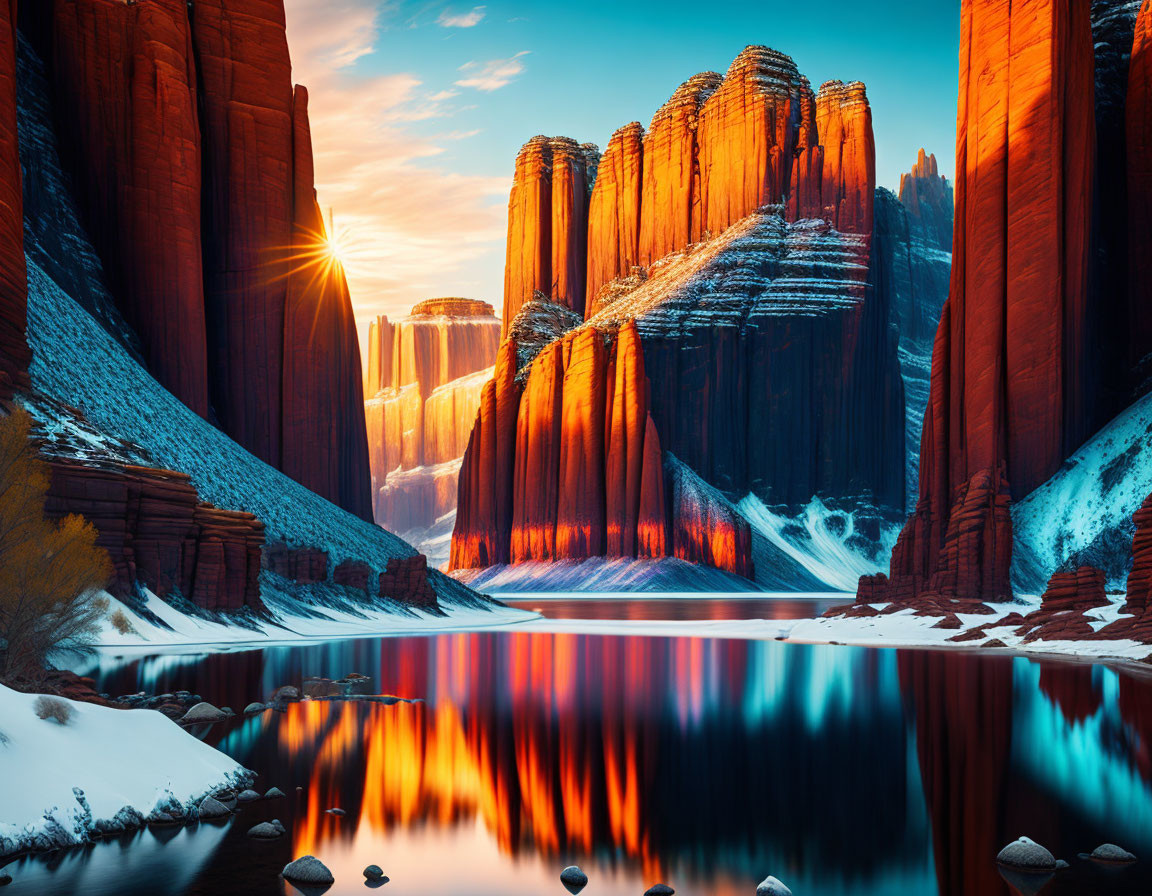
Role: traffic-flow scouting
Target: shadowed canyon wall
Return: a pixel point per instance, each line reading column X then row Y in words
column 1024, row 366
column 422, row 387
column 14, row 353
column 191, row 156
column 728, row 247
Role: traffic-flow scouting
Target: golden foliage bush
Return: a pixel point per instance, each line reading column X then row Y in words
column 51, row 572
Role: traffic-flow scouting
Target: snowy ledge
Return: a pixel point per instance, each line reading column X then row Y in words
column 178, row 629
column 902, row 629
column 104, row 771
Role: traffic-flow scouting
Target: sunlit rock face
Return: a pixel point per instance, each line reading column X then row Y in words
column 191, row 156
column 423, row 382
column 548, row 223
column 912, row 239
column 1009, row 373
column 731, row 317
column 1035, row 350
column 14, row 354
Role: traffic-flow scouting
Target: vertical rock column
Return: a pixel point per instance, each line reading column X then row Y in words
column 14, row 353
column 126, row 79
column 1008, row 366
column 247, row 115
column 848, row 181
column 670, row 185
column 747, row 136
column 614, row 211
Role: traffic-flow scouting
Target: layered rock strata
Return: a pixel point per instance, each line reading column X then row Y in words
column 425, row 375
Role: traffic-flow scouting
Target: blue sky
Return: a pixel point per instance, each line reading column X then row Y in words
column 419, row 108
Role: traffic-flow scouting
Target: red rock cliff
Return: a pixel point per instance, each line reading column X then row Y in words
column 127, row 78
column 193, row 160
column 548, row 223
column 927, row 197
column 614, row 210
column 14, row 353
column 1008, row 369
column 583, row 447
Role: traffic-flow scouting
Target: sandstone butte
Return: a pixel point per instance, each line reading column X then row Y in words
column 14, row 353
column 422, row 388
column 717, row 151
column 192, row 157
column 1009, row 371
column 548, row 223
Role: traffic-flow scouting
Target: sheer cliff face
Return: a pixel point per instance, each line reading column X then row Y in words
column 1138, row 131
column 192, row 160
column 423, row 383
column 548, row 223
column 14, row 353
column 1024, row 355
column 707, row 279
column 912, row 242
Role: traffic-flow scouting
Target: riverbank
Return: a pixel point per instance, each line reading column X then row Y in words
column 76, row 771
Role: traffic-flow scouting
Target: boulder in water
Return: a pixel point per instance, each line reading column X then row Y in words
column 1027, row 855
column 659, row 890
column 273, row 793
column 266, row 830
column 1111, row 854
column 308, row 870
column 248, row 796
column 203, row 714
column 211, row 808
column 374, row 872
column 574, row 879
column 253, row 709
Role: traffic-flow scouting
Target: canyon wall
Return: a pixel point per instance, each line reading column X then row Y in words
column 423, row 382
column 1025, row 361
column 191, row 156
column 912, row 242
column 548, row 223
column 14, row 353
column 728, row 247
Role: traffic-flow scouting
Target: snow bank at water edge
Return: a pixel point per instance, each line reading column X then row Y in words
column 157, row 624
column 599, row 574
column 105, row 768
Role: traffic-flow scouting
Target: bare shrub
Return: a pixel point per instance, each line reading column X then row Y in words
column 51, row 571
column 53, row 708
column 122, row 623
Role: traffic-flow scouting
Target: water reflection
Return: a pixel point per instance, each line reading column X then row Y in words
column 705, row 763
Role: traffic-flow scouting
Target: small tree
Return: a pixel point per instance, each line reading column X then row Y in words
column 51, row 572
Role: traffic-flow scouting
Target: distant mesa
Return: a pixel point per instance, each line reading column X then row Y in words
column 452, row 307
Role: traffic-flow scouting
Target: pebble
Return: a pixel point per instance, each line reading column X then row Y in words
column 573, row 879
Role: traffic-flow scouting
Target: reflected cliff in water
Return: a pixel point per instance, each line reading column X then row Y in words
column 705, row 763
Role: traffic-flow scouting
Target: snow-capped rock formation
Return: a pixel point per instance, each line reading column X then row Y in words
column 191, row 156
column 751, row 328
column 423, row 383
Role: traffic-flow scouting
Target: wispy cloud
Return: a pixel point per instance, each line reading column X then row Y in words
column 449, row 19
column 414, row 228
column 492, row 75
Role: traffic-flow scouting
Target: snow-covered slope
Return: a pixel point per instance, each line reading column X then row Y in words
column 604, row 574
column 81, row 359
column 61, row 782
column 828, row 549
column 1083, row 514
